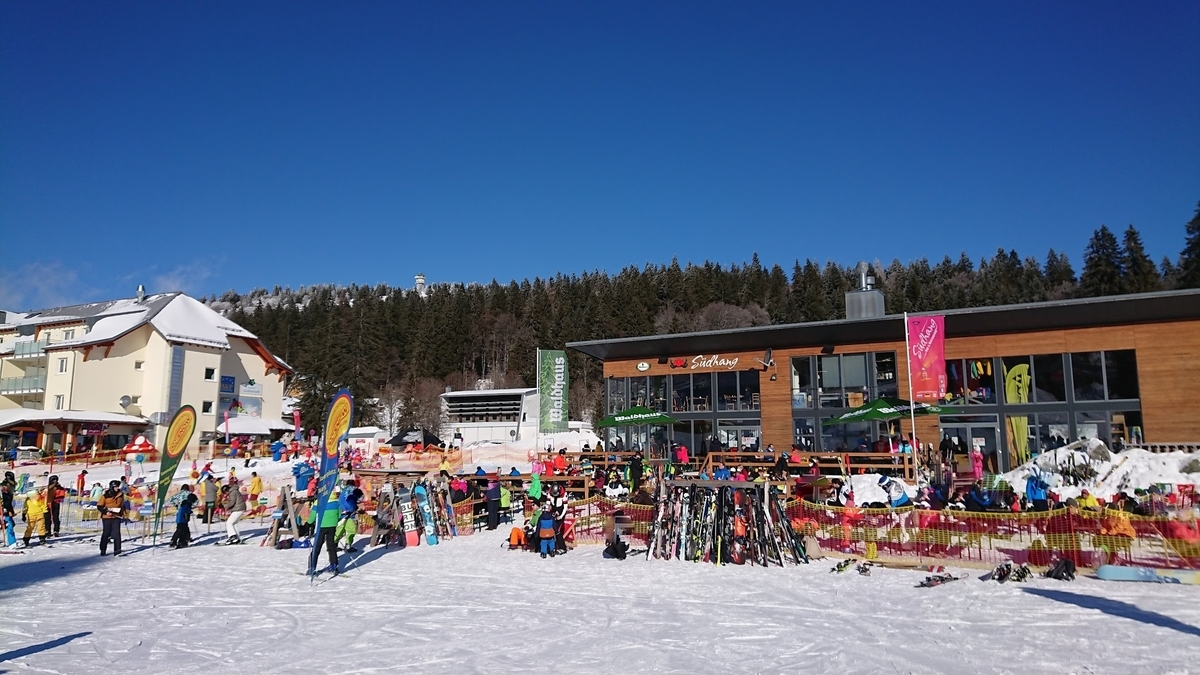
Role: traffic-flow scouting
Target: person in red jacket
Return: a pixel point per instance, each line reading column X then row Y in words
column 55, row 494
column 560, row 463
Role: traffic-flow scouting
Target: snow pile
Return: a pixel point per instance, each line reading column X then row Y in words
column 1126, row 471
column 867, row 490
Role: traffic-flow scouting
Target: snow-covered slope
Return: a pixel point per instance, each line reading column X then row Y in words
column 470, row 606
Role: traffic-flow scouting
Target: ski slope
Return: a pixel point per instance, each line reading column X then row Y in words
column 470, row 606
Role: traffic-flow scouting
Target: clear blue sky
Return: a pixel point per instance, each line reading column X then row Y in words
column 216, row 145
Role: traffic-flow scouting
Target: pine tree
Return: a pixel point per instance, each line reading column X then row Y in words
column 1102, row 273
column 1141, row 276
column 1170, row 273
column 1189, row 260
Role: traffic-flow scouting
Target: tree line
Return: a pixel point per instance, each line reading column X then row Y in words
column 396, row 349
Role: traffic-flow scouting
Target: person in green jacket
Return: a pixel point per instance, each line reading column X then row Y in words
column 326, row 535
column 505, row 504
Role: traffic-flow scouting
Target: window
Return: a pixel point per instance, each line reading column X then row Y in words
column 885, row 374
column 210, row 374
column 638, row 392
column 135, row 400
column 681, row 393
column 1018, row 379
column 1049, row 385
column 206, row 408
column 137, row 365
column 1087, row 369
column 658, row 393
column 62, row 365
column 802, row 382
column 1120, row 370
column 748, row 395
column 804, row 434
column 69, row 334
column 616, row 395
column 727, row 390
column 702, row 392
column 59, row 400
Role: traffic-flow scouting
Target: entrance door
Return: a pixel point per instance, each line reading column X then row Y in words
column 982, row 431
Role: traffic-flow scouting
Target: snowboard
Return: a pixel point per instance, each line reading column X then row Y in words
column 427, row 512
column 1159, row 575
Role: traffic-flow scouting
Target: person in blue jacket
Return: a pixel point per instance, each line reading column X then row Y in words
column 978, row 499
column 897, row 497
column 1036, row 490
column 545, row 531
column 721, row 472
column 183, row 533
column 479, row 471
column 347, row 526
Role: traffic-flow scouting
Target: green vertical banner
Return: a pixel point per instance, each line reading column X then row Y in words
column 179, row 434
column 554, row 383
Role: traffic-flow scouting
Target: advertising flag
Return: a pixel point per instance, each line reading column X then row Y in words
column 554, row 383
column 337, row 428
column 927, row 357
column 179, row 434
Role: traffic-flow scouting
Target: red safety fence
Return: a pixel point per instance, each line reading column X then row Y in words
column 1088, row 538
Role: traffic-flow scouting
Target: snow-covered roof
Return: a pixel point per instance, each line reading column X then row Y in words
column 253, row 426
column 16, row 416
column 490, row 392
column 365, row 432
column 186, row 319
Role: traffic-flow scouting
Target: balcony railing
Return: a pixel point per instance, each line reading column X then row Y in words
column 30, row 349
column 23, row 385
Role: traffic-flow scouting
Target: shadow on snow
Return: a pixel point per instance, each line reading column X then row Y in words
column 1115, row 608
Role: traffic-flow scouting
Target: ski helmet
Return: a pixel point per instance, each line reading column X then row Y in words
column 884, row 480
column 114, row 484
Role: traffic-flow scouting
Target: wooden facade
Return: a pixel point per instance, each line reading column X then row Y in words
column 1166, row 352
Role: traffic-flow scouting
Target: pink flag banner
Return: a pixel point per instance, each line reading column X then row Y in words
column 927, row 357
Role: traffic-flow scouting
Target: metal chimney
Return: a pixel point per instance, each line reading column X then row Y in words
column 866, row 302
column 141, row 293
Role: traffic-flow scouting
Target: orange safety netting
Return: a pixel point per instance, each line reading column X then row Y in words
column 1088, row 538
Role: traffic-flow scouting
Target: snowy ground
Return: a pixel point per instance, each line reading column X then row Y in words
column 470, row 606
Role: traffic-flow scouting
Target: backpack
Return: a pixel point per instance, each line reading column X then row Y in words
column 1062, row 569
column 283, row 544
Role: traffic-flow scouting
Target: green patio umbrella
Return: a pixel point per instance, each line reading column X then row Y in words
column 886, row 409
column 636, row 416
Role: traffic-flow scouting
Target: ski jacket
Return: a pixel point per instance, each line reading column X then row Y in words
column 210, row 490
column 184, row 514
column 55, row 493
column 35, row 508
column 721, row 474
column 256, row 486
column 111, row 505
column 6, row 496
column 558, row 507
column 535, row 486
column 980, row 498
column 493, row 491
column 234, row 501
column 348, row 502
column 546, row 526
column 505, row 497
column 1035, row 487
column 560, row 463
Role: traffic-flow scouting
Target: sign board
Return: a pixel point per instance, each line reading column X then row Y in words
column 228, row 384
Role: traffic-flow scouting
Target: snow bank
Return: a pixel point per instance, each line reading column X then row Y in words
column 1125, row 472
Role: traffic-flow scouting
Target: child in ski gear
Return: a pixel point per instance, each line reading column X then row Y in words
column 546, row 533
column 111, row 506
column 1035, row 490
column 895, row 489
column 347, row 526
column 256, row 488
column 35, row 516
column 235, row 506
column 208, row 490
column 183, row 533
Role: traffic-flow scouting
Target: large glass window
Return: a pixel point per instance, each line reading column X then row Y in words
column 970, row 382
column 846, row 437
column 1120, row 369
column 702, row 392
column 748, row 396
column 702, row 436
column 829, row 382
column 805, row 434
column 616, row 395
column 1093, row 425
column 638, row 391
column 658, row 393
column 1018, row 379
column 1087, row 371
column 885, row 374
column 727, row 391
column 739, row 434
column 1054, row 431
column 802, row 382
column 681, row 393
column 1050, row 386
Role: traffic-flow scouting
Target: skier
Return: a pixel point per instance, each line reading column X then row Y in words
column 546, row 533
column 209, row 492
column 256, row 488
column 35, row 516
column 235, row 506
column 493, row 504
column 347, row 525
column 55, row 494
column 897, row 497
column 558, row 510
column 81, row 483
column 183, row 534
column 111, row 506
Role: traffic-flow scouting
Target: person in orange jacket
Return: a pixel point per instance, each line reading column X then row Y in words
column 111, row 506
column 55, row 494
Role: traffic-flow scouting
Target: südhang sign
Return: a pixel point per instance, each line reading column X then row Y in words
column 714, row 362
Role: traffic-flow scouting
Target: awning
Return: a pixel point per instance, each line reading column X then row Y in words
column 25, row 416
column 636, row 416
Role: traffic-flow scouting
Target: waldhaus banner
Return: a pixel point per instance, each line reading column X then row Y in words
column 337, row 428
column 554, row 383
column 179, row 434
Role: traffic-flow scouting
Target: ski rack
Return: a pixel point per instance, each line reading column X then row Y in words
column 787, row 485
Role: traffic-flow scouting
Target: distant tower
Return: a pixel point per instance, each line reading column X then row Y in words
column 420, row 284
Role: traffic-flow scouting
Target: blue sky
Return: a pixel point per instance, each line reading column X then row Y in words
column 208, row 146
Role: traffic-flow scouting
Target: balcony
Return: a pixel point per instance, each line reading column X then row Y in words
column 28, row 351
column 23, row 385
